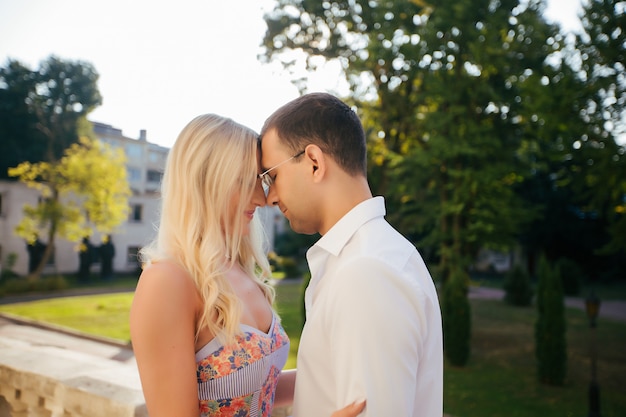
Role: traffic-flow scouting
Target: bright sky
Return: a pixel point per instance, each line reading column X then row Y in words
column 163, row 63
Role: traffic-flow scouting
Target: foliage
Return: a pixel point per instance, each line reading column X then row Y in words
column 43, row 111
column 550, row 327
column 290, row 243
column 6, row 269
column 602, row 162
column 485, row 124
column 442, row 104
column 518, row 290
column 572, row 276
column 85, row 191
column 20, row 285
column 579, row 168
column 286, row 264
column 456, row 319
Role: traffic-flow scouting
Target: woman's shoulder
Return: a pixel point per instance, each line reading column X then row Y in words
column 168, row 280
column 163, row 267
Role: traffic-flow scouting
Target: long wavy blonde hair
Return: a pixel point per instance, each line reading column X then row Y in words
column 213, row 159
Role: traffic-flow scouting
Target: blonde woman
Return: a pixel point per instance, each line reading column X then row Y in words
column 206, row 339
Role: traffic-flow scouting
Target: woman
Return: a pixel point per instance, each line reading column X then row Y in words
column 206, row 339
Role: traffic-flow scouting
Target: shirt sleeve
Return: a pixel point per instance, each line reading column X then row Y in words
column 376, row 325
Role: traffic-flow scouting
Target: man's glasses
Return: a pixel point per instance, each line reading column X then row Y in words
column 267, row 180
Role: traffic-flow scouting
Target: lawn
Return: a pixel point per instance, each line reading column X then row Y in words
column 500, row 379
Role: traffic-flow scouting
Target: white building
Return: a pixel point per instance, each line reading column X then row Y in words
column 145, row 164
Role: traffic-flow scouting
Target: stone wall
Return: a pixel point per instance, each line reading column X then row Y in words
column 45, row 381
column 54, row 372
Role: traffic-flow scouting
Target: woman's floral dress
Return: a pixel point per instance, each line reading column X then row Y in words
column 240, row 379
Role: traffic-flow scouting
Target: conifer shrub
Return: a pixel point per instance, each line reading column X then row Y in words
column 572, row 276
column 550, row 328
column 456, row 318
column 518, row 289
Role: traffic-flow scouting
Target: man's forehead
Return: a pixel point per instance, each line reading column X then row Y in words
column 271, row 147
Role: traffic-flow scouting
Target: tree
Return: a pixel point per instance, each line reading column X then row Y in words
column 43, row 111
column 550, row 328
column 518, row 290
column 86, row 190
column 577, row 167
column 457, row 320
column 20, row 139
column 601, row 159
column 441, row 89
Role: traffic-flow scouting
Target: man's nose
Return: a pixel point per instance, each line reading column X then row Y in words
column 271, row 197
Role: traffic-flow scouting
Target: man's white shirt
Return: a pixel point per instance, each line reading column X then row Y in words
column 373, row 323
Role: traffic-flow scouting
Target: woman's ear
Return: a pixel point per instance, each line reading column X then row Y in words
column 317, row 160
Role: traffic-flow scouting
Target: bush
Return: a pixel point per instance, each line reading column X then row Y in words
column 290, row 268
column 550, row 328
column 456, row 319
column 517, row 287
column 290, row 243
column 572, row 276
column 23, row 285
column 6, row 271
column 285, row 264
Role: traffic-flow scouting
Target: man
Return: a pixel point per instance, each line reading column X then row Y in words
column 373, row 326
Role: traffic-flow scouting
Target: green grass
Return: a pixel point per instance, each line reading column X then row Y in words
column 288, row 306
column 103, row 315
column 499, row 380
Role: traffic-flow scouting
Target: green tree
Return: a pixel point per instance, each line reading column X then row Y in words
column 601, row 159
column 457, row 321
column 572, row 276
column 441, row 89
column 20, row 140
column 85, row 191
column 43, row 111
column 550, row 328
column 577, row 168
column 518, row 290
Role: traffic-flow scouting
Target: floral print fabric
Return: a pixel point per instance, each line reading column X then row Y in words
column 240, row 379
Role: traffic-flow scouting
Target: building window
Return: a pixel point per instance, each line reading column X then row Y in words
column 134, row 174
column 136, row 213
column 133, row 151
column 154, row 176
column 132, row 256
column 156, row 157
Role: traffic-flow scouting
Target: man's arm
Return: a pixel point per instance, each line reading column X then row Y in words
column 376, row 330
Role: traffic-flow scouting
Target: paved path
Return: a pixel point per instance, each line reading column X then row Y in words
column 610, row 309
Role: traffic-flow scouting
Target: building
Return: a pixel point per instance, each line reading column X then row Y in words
column 145, row 164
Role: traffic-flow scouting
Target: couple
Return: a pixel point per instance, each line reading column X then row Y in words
column 206, row 339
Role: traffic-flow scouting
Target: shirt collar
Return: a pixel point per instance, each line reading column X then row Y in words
column 336, row 238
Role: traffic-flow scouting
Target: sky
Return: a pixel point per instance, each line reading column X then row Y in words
column 162, row 63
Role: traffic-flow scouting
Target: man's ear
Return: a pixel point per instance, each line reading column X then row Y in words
column 317, row 160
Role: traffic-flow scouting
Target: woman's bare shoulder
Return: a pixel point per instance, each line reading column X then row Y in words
column 165, row 273
column 168, row 282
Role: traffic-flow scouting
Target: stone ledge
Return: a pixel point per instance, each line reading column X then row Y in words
column 48, row 381
column 51, row 371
